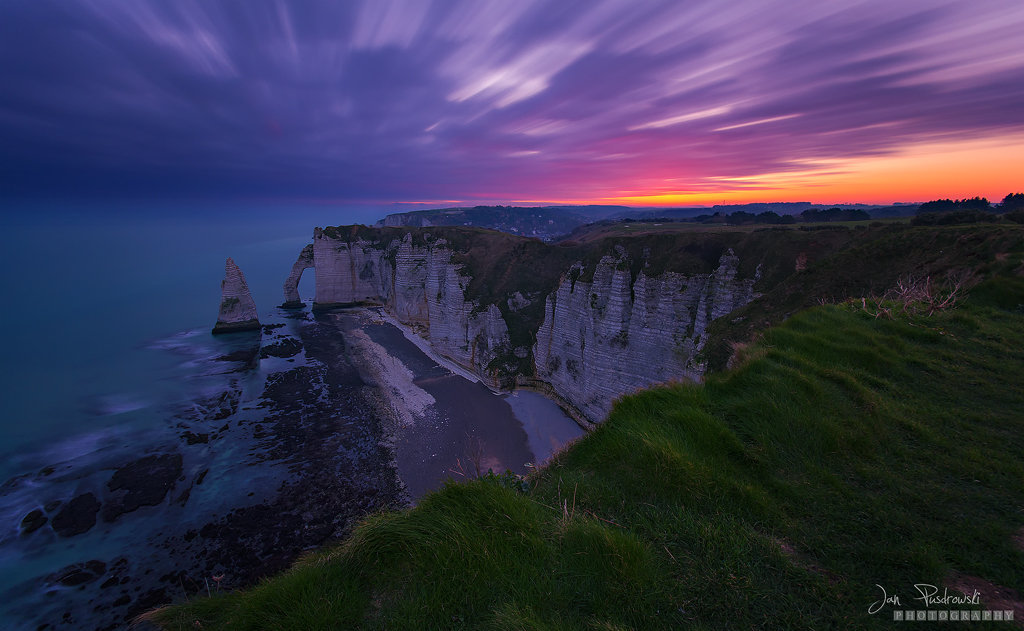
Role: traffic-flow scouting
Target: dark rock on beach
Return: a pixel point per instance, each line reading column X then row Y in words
column 193, row 438
column 78, row 573
column 215, row 408
column 246, row 356
column 319, row 456
column 144, row 482
column 224, row 406
column 319, row 422
column 287, row 347
column 77, row 516
column 148, row 600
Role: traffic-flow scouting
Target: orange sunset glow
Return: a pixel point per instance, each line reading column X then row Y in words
column 988, row 167
column 598, row 104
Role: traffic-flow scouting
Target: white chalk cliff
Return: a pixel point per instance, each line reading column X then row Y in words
column 605, row 338
column 422, row 287
column 599, row 339
column 237, row 308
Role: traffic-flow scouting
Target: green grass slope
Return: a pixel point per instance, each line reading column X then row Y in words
column 846, row 451
column 865, row 262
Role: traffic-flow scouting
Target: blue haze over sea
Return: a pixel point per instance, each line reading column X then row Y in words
column 89, row 290
column 106, row 314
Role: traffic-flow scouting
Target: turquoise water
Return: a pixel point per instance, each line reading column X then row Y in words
column 93, row 295
column 107, row 319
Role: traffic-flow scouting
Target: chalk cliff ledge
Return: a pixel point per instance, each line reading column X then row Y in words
column 579, row 322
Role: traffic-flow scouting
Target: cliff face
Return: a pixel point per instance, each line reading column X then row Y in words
column 599, row 338
column 349, row 272
column 608, row 337
column 237, row 309
column 457, row 327
column 421, row 286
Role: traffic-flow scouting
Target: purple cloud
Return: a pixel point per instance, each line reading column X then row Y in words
column 404, row 100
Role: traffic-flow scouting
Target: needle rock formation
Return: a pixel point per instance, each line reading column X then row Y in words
column 237, row 309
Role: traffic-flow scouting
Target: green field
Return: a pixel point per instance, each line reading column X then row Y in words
column 843, row 451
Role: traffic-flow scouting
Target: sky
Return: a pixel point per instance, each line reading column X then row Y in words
column 456, row 102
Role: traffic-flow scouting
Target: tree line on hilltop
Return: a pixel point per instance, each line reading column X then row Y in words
column 741, row 217
column 810, row 215
column 970, row 210
column 935, row 212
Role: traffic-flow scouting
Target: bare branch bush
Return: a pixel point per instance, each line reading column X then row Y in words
column 920, row 296
column 476, row 453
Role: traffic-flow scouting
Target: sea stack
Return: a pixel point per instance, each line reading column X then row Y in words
column 237, row 309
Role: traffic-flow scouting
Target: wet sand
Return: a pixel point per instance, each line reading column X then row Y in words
column 544, row 422
column 469, row 429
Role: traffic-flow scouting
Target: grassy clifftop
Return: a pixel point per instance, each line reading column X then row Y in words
column 847, row 451
column 797, row 266
column 866, row 262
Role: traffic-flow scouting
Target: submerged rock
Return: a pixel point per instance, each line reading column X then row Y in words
column 237, row 308
column 77, row 516
column 33, row 521
column 245, row 356
column 78, row 573
column 285, row 348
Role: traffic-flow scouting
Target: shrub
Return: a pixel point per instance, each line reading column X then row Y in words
column 954, row 217
column 508, row 480
column 1016, row 216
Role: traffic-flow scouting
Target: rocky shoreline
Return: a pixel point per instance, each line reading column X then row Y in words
column 324, row 457
column 318, row 419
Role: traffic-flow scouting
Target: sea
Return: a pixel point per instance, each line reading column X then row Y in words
column 110, row 368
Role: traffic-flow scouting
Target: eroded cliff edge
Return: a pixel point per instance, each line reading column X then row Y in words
column 616, row 333
column 422, row 286
column 589, row 323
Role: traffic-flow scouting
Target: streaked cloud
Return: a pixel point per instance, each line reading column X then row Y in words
column 760, row 121
column 711, row 112
column 532, row 99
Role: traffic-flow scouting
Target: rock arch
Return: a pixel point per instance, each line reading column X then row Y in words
column 291, row 286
